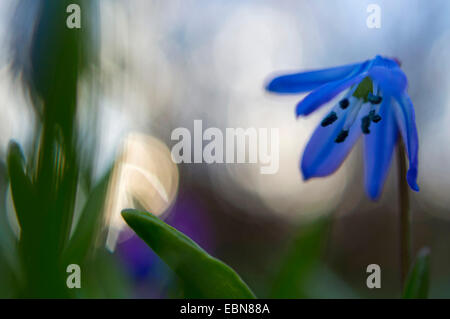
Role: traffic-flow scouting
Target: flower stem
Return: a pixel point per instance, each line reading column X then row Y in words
column 405, row 217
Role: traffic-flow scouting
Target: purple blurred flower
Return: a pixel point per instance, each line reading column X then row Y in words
column 149, row 273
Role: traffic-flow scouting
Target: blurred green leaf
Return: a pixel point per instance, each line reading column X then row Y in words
column 8, row 255
column 87, row 227
column 323, row 282
column 202, row 275
column 7, row 238
column 23, row 193
column 418, row 279
column 104, row 277
column 301, row 261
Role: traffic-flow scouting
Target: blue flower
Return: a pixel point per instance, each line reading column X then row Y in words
column 376, row 104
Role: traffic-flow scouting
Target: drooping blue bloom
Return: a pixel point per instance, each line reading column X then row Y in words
column 376, row 104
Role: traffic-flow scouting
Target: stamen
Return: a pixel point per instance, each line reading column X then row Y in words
column 374, row 117
column 365, row 124
column 354, row 108
column 344, row 103
column 375, row 88
column 374, row 99
column 329, row 119
column 341, row 136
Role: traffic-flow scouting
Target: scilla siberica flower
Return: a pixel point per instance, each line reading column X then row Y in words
column 376, row 104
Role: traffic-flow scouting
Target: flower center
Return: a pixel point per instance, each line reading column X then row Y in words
column 374, row 99
column 350, row 106
column 354, row 105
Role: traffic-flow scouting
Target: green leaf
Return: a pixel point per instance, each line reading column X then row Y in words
column 324, row 283
column 418, row 278
column 9, row 265
column 301, row 261
column 104, row 277
column 202, row 275
column 22, row 190
column 87, row 227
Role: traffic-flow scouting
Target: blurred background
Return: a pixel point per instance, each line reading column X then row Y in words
column 146, row 67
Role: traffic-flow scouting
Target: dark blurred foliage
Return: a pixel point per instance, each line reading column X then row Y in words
column 278, row 257
column 50, row 59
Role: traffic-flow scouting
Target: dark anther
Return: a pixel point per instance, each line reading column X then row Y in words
column 344, row 103
column 374, row 99
column 329, row 119
column 365, row 124
column 341, row 136
column 376, row 118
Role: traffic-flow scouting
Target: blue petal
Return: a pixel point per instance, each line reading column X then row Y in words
column 322, row 156
column 307, row 81
column 378, row 149
column 406, row 121
column 391, row 81
column 385, row 62
column 328, row 91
